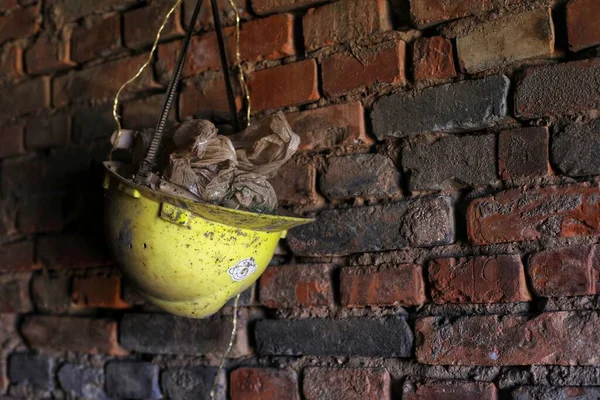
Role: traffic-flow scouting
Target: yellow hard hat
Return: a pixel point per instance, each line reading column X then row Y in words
column 186, row 257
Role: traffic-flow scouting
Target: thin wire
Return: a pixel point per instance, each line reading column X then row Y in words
column 238, row 60
column 137, row 75
column 231, row 339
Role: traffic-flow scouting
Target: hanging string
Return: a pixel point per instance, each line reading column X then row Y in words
column 238, row 61
column 137, row 75
column 231, row 340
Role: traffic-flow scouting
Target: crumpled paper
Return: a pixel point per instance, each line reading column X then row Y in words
column 231, row 171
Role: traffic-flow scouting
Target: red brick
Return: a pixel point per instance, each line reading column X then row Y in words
column 144, row 112
column 433, row 59
column 566, row 271
column 582, row 24
column 264, row 7
column 21, row 23
column 430, row 12
column 15, row 293
column 101, row 82
column 68, row 10
column 384, row 285
column 203, row 55
column 345, row 21
column 557, row 338
column 346, row 383
column 205, row 95
column 290, row 84
column 96, row 41
column 11, row 140
column 25, row 97
column 295, row 184
column 519, row 215
column 78, row 335
column 514, row 38
column 6, row 5
column 11, row 62
column 485, row 279
column 523, row 153
column 48, row 53
column 296, row 285
column 266, row 39
column 47, row 131
column 329, row 127
column 72, row 251
column 98, row 291
column 138, row 23
column 344, row 73
column 205, row 17
column 17, row 257
column 451, row 391
column 261, row 39
column 40, row 214
column 263, row 384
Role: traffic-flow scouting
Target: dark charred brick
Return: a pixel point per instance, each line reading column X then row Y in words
column 32, row 369
column 168, row 334
column 576, row 149
column 50, row 292
column 385, row 337
column 15, row 293
column 455, row 107
column 191, row 383
column 523, row 153
column 558, row 89
column 451, row 161
column 419, row 223
column 360, row 175
column 83, row 381
column 133, row 380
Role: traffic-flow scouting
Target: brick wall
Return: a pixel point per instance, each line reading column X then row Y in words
column 450, row 151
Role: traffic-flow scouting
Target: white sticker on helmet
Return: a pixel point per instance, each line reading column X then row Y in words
column 242, row 270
